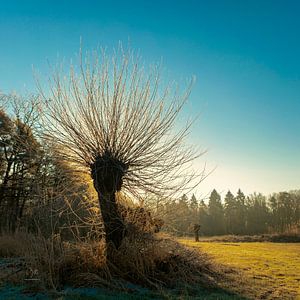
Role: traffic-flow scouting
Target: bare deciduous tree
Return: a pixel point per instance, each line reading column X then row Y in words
column 110, row 117
column 20, row 157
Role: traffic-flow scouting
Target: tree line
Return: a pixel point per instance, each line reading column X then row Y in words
column 33, row 184
column 236, row 214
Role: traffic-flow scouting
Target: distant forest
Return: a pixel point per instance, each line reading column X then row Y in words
column 236, row 214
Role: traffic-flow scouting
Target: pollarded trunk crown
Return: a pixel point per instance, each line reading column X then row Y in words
column 107, row 173
column 110, row 110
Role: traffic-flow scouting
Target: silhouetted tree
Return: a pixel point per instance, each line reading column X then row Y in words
column 115, row 121
column 194, row 213
column 20, row 155
column 240, row 213
column 182, row 213
column 230, row 212
column 257, row 214
column 204, row 218
column 216, row 213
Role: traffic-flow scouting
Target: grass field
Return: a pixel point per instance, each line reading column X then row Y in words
column 228, row 270
column 261, row 270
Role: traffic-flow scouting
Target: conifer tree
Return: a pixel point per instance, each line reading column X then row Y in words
column 216, row 214
column 230, row 210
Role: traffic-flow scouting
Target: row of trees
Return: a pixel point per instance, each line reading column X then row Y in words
column 33, row 184
column 236, row 214
column 31, row 181
column 20, row 164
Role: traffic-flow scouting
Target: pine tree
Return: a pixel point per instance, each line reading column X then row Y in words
column 193, row 203
column 194, row 214
column 216, row 214
column 230, row 213
column 240, row 213
column 183, row 215
column 204, row 218
column 257, row 214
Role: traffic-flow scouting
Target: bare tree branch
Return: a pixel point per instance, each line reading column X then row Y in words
column 111, row 105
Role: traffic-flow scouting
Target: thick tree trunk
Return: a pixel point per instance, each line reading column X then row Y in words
column 107, row 173
column 113, row 222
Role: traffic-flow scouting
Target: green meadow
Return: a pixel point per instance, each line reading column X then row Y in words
column 257, row 270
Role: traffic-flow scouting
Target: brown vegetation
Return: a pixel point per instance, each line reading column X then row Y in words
column 150, row 261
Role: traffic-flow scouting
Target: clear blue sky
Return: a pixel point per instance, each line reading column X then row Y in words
column 245, row 55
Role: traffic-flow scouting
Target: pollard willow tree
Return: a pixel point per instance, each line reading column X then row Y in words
column 110, row 117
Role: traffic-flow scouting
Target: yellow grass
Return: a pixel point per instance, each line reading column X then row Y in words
column 264, row 270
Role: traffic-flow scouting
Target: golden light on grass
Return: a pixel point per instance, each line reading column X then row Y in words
column 265, row 270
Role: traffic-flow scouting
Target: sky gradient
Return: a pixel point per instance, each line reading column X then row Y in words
column 244, row 54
